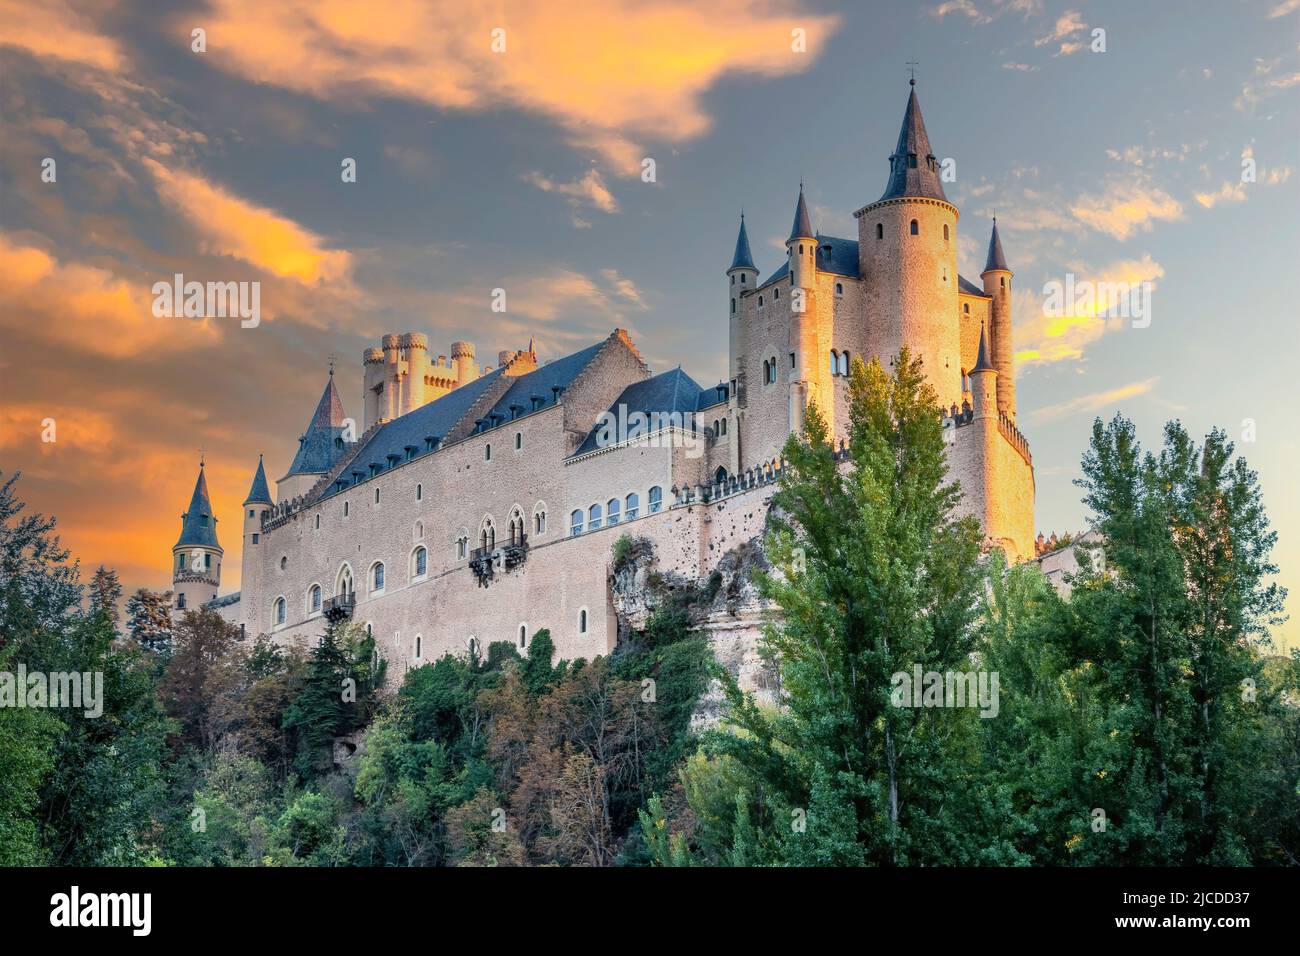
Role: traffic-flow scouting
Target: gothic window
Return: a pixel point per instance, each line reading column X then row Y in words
column 344, row 586
column 582, row 621
column 462, row 547
column 487, row 535
column 593, row 517
column 314, row 598
column 880, row 230
column 632, row 502
column 279, row 610
column 516, row 527
column 915, row 229
column 575, row 523
column 835, row 362
column 611, row 511
column 420, row 563
column 656, row 499
column 539, row 519
column 377, row 576
column 720, row 476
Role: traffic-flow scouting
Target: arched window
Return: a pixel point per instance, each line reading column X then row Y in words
column 835, row 362
column 284, row 562
column 343, row 586
column 314, row 598
column 279, row 610
column 839, row 288
column 539, row 520
column 656, row 499
column 760, row 301
column 771, row 368
column 419, row 492
column 611, row 511
column 318, row 522
column 632, row 503
column 346, row 508
column 462, row 546
column 419, row 562
column 880, row 230
column 487, row 452
column 180, row 602
column 965, row 307
column 582, row 621
column 523, row 635
column 377, row 576
column 720, row 476
column 776, row 293
column 487, row 535
column 915, row 229
column 575, row 523
column 376, row 496
column 472, row 644
column 844, row 363
column 945, row 232
column 733, row 301
column 724, row 426
column 593, row 517
column 419, row 646
column 516, row 527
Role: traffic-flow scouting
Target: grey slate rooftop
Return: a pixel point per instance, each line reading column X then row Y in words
column 802, row 227
column 198, row 524
column 667, row 392
column 259, row 493
column 913, row 167
column 743, row 258
column 996, row 260
column 322, row 445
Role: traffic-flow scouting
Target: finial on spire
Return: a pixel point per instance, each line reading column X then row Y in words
column 332, row 358
column 201, row 457
column 912, row 65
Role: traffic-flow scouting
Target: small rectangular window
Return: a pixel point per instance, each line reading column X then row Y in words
column 255, row 537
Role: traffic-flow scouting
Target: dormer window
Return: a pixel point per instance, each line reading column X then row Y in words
column 911, row 160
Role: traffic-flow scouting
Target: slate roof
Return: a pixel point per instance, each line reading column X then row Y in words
column 743, row 259
column 319, row 448
column 965, row 285
column 717, row 395
column 437, row 418
column 802, row 226
column 259, row 493
column 841, row 259
column 198, row 524
column 672, row 391
column 996, row 260
column 982, row 363
column 905, row 179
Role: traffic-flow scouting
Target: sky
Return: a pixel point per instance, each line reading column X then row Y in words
column 505, row 145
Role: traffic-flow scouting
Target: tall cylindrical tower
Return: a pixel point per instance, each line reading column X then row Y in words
column 997, row 283
column 196, row 556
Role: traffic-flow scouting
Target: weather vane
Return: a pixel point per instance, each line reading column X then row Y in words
column 911, row 66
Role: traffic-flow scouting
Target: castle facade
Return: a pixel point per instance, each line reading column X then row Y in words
column 476, row 505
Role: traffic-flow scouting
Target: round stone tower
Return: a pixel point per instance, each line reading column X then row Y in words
column 462, row 360
column 196, row 556
column 742, row 276
column 907, row 247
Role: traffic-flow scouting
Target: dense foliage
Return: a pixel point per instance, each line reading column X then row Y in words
column 1139, row 719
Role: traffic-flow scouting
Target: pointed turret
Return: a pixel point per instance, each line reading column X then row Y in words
column 743, row 259
column 913, row 168
column 802, row 228
column 997, row 286
column 198, row 525
column 320, row 446
column 996, row 261
column 982, row 363
column 259, row 493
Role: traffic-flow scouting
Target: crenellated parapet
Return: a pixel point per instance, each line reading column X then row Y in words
column 1014, row 436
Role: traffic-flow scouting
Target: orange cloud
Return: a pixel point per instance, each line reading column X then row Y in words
column 1096, row 402
column 623, row 70
column 1125, row 208
column 53, row 30
column 85, row 306
column 231, row 226
column 1046, row 338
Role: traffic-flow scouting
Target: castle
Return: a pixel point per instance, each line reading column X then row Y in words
column 481, row 504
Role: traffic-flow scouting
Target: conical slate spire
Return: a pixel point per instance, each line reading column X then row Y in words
column 802, row 228
column 913, row 168
column 198, row 524
column 318, row 448
column 260, row 493
column 996, row 260
column 743, row 259
column 982, row 363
